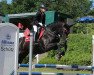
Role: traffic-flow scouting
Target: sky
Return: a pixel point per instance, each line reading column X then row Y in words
column 8, row 1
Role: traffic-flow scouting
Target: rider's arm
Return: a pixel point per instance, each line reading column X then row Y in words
column 43, row 19
column 40, row 19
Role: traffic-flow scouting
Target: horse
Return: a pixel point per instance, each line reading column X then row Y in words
column 50, row 39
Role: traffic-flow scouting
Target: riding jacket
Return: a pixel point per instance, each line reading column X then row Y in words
column 40, row 18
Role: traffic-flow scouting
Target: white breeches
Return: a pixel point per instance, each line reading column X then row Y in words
column 35, row 28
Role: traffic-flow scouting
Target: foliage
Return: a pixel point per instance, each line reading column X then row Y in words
column 78, row 52
column 91, row 12
column 22, row 6
column 72, row 7
column 4, row 8
column 84, row 28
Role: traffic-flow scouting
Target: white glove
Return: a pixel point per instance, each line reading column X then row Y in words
column 40, row 24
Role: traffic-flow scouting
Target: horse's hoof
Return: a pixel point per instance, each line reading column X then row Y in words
column 58, row 57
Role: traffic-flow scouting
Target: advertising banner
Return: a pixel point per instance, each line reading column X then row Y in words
column 9, row 42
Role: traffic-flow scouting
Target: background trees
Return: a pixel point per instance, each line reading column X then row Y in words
column 72, row 7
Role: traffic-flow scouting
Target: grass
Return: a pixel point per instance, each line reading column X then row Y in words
column 22, row 69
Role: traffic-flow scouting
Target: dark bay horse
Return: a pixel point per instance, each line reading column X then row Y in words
column 50, row 40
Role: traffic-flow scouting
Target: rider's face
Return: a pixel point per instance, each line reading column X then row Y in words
column 42, row 10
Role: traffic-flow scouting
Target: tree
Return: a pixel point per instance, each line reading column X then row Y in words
column 4, row 7
column 71, row 7
column 22, row 6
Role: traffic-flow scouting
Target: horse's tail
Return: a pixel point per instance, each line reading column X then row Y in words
column 21, row 42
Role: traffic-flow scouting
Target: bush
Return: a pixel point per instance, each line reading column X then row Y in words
column 84, row 28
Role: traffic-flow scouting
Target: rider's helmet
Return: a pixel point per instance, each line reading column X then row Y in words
column 43, row 6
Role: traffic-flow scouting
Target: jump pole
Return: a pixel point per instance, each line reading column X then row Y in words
column 30, row 54
column 93, row 54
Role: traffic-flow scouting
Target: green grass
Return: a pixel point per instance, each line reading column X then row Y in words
column 21, row 69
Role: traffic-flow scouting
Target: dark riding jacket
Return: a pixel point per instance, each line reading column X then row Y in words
column 40, row 17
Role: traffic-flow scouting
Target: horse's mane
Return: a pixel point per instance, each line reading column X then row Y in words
column 56, row 27
column 55, row 23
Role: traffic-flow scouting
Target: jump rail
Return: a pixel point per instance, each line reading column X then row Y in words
column 77, row 67
column 43, row 73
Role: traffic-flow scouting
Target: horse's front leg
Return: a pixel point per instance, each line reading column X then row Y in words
column 61, row 52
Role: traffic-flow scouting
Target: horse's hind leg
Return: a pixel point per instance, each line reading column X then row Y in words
column 23, row 52
column 22, row 56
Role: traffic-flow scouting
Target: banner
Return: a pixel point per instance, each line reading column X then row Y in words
column 9, row 42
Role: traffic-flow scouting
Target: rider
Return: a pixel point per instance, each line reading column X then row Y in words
column 39, row 19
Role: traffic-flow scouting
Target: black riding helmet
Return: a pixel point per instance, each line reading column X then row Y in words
column 43, row 6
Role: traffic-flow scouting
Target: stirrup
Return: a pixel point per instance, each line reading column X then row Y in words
column 36, row 43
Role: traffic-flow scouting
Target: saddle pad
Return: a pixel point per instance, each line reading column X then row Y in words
column 41, row 33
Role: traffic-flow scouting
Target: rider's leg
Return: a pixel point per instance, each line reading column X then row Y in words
column 35, row 31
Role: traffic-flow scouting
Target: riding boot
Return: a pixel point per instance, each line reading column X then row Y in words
column 34, row 36
column 35, row 32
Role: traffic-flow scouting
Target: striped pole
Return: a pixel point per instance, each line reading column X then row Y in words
column 40, row 73
column 43, row 73
column 75, row 67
